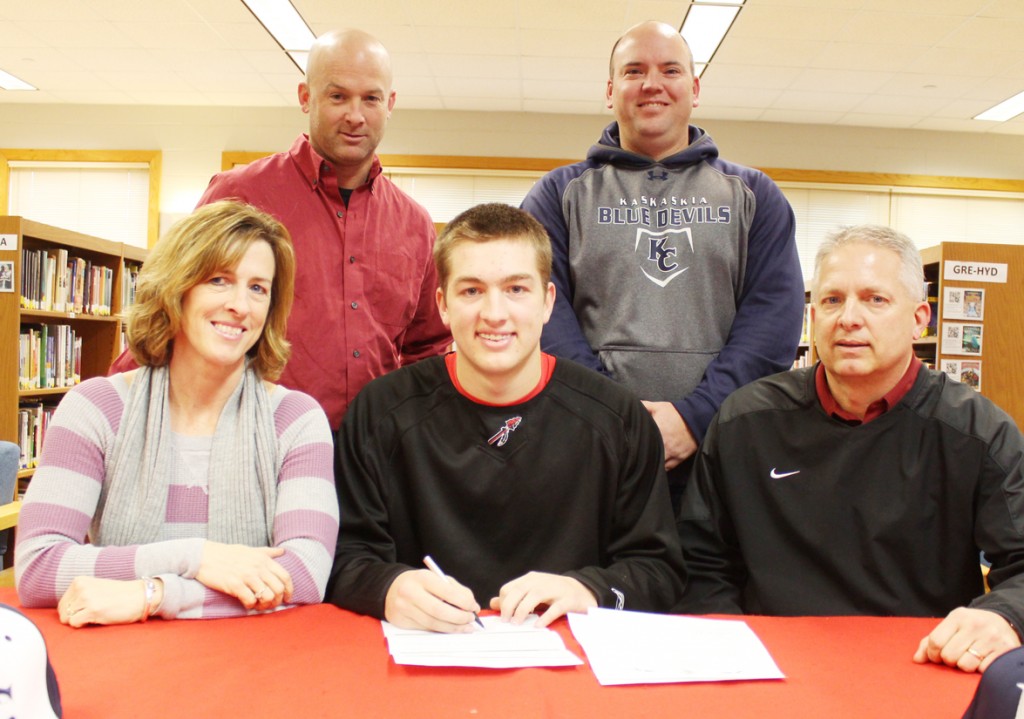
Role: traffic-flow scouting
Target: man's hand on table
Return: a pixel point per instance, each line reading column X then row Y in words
column 970, row 639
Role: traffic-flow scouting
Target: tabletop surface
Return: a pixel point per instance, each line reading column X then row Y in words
column 321, row 661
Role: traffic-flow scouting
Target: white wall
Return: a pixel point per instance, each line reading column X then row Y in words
column 192, row 139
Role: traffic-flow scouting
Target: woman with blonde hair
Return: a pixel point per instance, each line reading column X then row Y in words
column 192, row 486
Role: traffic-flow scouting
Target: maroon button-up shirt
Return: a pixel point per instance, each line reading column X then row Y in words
column 365, row 279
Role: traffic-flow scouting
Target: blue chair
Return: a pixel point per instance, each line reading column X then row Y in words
column 9, row 455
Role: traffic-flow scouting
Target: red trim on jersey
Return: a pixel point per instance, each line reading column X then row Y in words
column 547, row 367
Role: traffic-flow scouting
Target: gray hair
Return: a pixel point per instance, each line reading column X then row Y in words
column 911, row 270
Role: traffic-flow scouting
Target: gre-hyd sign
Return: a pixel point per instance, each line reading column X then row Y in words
column 975, row 271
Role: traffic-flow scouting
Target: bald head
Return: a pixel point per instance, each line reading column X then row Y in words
column 349, row 47
column 348, row 96
column 645, row 31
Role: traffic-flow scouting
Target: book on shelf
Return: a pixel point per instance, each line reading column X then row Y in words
column 802, row 360
column 932, row 293
column 50, row 356
column 33, row 420
column 53, row 281
column 129, row 282
column 805, row 332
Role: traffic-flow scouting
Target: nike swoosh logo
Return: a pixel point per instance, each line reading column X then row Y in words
column 775, row 474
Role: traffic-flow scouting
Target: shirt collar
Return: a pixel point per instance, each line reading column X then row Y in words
column 875, row 409
column 311, row 163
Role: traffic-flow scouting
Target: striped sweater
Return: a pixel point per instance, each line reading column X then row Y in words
column 63, row 497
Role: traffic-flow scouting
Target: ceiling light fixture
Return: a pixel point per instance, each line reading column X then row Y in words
column 705, row 26
column 1004, row 110
column 300, row 58
column 10, row 82
column 283, row 22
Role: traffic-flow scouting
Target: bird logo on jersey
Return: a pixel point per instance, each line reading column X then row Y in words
column 501, row 436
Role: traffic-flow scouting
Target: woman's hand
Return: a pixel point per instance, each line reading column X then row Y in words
column 249, row 574
column 91, row 600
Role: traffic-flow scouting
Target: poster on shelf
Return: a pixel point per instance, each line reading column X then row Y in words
column 963, row 303
column 961, row 338
column 7, row 276
column 967, row 372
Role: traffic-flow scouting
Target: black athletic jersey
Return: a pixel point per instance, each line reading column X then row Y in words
column 793, row 512
column 571, row 482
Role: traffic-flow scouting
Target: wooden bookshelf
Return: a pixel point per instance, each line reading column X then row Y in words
column 100, row 333
column 1002, row 379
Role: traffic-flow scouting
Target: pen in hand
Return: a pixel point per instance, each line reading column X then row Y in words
column 432, row 566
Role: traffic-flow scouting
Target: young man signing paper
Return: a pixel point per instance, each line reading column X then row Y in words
column 537, row 484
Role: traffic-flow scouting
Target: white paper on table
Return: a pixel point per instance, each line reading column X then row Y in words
column 638, row 648
column 500, row 645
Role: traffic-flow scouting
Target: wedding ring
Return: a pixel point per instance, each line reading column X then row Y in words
column 979, row 657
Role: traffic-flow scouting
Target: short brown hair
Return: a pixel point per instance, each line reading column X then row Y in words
column 210, row 240
column 489, row 222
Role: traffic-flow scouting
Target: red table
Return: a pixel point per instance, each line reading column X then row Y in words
column 321, row 661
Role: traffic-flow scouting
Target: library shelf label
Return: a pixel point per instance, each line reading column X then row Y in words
column 976, row 271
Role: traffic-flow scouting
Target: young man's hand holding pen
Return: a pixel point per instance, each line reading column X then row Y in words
column 424, row 599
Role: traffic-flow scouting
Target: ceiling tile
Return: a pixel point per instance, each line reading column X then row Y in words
column 901, row 105
column 461, row 14
column 501, row 67
column 422, row 85
column 440, row 40
column 896, row 26
column 671, row 12
column 478, row 87
column 714, row 98
column 911, row 63
column 586, row 15
column 336, row 14
column 757, row 21
column 728, row 75
column 955, row 8
column 986, row 34
column 1003, row 9
column 862, row 56
column 849, row 81
column 770, row 51
column 94, row 34
column 569, row 43
column 816, row 101
column 566, row 68
column 17, row 35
